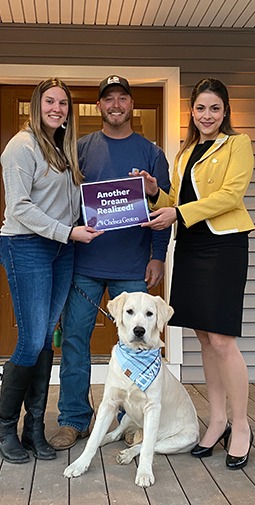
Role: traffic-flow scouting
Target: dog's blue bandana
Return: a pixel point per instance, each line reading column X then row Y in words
column 141, row 366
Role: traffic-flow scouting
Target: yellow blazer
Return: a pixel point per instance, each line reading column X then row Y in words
column 220, row 180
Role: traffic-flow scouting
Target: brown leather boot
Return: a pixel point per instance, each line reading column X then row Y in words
column 66, row 437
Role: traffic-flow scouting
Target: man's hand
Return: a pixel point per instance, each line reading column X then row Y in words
column 154, row 273
column 150, row 183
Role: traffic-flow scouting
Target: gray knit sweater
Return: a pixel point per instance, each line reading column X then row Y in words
column 38, row 200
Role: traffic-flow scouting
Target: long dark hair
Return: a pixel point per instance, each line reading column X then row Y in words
column 218, row 88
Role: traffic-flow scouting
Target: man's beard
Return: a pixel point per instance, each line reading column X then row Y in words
column 107, row 119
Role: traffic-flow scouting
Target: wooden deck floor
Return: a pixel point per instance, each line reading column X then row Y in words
column 180, row 479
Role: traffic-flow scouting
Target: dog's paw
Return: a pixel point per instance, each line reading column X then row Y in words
column 144, row 479
column 75, row 470
column 124, row 457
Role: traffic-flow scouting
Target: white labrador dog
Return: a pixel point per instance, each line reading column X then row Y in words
column 161, row 415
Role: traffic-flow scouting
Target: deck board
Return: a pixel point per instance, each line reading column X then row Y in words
column 197, row 483
column 180, row 479
column 168, row 489
column 91, row 486
column 49, row 486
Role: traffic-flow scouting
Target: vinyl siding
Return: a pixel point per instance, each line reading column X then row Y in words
column 226, row 54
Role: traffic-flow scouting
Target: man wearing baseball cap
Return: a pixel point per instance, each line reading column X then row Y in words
column 130, row 259
column 114, row 80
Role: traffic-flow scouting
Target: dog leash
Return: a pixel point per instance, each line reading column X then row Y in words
column 57, row 335
column 82, row 293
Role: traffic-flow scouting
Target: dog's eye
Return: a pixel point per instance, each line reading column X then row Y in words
column 149, row 313
column 130, row 312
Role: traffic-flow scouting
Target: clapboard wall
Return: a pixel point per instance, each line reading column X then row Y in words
column 227, row 54
column 243, row 113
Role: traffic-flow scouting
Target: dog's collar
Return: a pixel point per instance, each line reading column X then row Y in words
column 141, row 366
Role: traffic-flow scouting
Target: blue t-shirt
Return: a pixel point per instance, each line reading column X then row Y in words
column 121, row 254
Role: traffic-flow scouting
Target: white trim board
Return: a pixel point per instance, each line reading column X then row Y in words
column 91, row 76
column 98, row 373
column 169, row 79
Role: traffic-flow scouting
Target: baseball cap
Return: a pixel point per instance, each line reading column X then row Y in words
column 114, row 80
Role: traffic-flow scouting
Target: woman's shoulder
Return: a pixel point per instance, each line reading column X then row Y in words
column 239, row 138
column 21, row 139
column 241, row 141
column 19, row 146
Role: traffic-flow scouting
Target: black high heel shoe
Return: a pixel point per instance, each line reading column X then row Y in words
column 204, row 452
column 237, row 462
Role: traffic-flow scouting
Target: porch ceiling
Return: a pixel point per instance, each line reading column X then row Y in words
column 150, row 13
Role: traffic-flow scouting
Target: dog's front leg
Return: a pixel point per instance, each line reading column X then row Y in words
column 115, row 435
column 106, row 412
column 144, row 475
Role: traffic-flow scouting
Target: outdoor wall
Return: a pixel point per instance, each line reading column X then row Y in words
column 227, row 54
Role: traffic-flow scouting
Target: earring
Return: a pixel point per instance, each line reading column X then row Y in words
column 64, row 125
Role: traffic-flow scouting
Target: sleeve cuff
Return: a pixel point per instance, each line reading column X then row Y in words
column 154, row 198
column 70, row 232
column 179, row 215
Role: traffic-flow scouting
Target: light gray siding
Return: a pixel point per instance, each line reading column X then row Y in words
column 192, row 370
column 227, row 54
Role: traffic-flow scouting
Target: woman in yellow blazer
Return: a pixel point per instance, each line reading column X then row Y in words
column 211, row 174
column 219, row 192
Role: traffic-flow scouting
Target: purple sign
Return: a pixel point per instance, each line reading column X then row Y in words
column 110, row 205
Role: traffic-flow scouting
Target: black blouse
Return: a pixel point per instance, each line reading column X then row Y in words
column 187, row 193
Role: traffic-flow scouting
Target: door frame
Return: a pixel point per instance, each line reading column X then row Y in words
column 169, row 79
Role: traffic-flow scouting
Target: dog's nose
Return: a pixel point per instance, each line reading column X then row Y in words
column 139, row 332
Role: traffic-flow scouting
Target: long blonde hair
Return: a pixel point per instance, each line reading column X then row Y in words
column 65, row 137
column 213, row 86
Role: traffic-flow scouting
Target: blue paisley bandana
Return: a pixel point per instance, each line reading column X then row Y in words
column 141, row 366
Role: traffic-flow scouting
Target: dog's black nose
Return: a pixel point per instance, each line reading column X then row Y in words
column 139, row 331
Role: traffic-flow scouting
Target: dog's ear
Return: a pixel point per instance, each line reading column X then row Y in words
column 115, row 307
column 165, row 312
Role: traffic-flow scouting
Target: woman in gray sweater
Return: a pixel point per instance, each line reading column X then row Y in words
column 41, row 181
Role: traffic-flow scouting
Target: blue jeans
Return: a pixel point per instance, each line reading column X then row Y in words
column 79, row 318
column 39, row 272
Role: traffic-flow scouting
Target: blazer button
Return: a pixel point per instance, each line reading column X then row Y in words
column 210, row 181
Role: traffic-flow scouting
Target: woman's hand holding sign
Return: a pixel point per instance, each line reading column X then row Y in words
column 84, row 234
column 162, row 218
